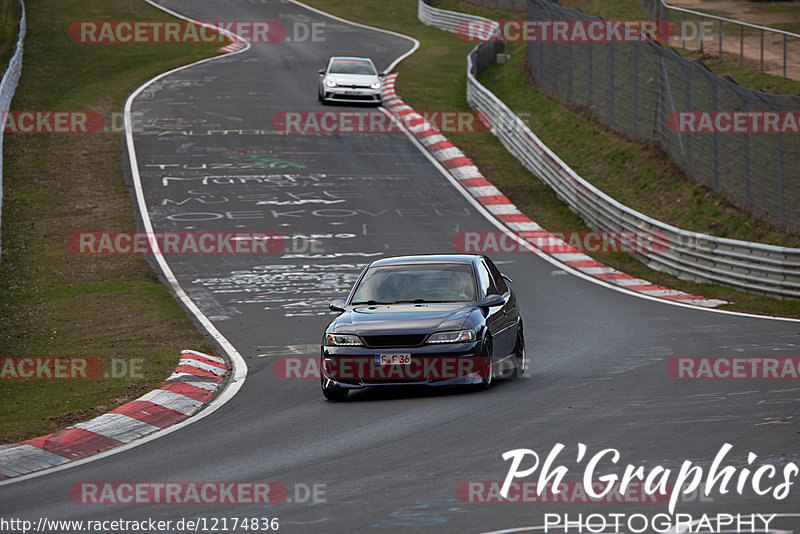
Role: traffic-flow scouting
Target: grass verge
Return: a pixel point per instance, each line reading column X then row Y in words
column 9, row 21
column 54, row 303
column 433, row 79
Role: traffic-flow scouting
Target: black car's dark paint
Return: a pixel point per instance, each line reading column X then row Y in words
column 494, row 316
column 364, row 320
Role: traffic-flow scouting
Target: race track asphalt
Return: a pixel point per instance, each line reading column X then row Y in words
column 210, row 160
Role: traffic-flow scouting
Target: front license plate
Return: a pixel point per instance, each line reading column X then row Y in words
column 393, row 359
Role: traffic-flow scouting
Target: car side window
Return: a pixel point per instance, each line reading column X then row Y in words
column 485, row 279
column 498, row 278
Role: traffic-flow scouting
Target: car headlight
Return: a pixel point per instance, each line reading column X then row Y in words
column 342, row 340
column 457, row 336
column 375, row 85
column 330, row 83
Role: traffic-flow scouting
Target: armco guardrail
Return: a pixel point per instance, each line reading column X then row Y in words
column 7, row 87
column 751, row 266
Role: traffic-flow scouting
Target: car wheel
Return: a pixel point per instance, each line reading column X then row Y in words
column 519, row 354
column 334, row 393
column 486, row 381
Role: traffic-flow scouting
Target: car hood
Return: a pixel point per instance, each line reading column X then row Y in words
column 353, row 79
column 405, row 318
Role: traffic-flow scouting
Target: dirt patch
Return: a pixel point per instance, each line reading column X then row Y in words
column 770, row 14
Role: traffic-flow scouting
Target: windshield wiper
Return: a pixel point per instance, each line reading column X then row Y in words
column 415, row 301
column 371, row 302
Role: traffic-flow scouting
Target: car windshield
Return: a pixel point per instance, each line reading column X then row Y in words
column 393, row 284
column 351, row 66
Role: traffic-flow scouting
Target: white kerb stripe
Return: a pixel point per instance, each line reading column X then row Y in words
column 20, row 459
column 524, row 227
column 207, row 386
column 484, row 191
column 429, row 140
column 466, row 172
column 214, row 358
column 597, row 270
column 631, row 282
column 117, row 426
column 447, row 153
column 577, row 256
column 662, row 292
column 173, row 401
column 502, row 209
column 202, row 365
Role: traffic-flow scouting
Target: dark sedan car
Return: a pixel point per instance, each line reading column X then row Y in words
column 433, row 320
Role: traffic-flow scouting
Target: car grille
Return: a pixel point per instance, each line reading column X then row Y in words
column 413, row 340
column 354, row 97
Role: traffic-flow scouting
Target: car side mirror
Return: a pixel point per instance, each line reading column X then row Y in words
column 507, row 279
column 382, row 74
column 492, row 300
column 337, row 305
column 321, row 72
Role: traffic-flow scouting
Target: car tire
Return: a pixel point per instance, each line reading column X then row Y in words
column 520, row 357
column 487, row 379
column 335, row 394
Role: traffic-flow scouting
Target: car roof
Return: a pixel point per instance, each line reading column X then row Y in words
column 427, row 258
column 350, row 58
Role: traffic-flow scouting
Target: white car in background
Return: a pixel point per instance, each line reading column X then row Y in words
column 350, row 79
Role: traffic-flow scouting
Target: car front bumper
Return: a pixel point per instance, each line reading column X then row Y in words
column 443, row 364
column 348, row 94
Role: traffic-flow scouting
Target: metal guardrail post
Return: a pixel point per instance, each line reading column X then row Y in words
column 701, row 34
column 784, row 55
column 683, row 29
column 741, row 46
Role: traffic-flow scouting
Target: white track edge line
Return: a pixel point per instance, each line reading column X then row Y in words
column 239, row 371
column 501, row 226
column 391, row 67
column 232, row 388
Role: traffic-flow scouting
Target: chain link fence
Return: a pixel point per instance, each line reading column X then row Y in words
column 752, row 266
column 643, row 89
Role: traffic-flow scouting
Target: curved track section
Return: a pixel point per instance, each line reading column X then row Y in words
column 210, row 160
